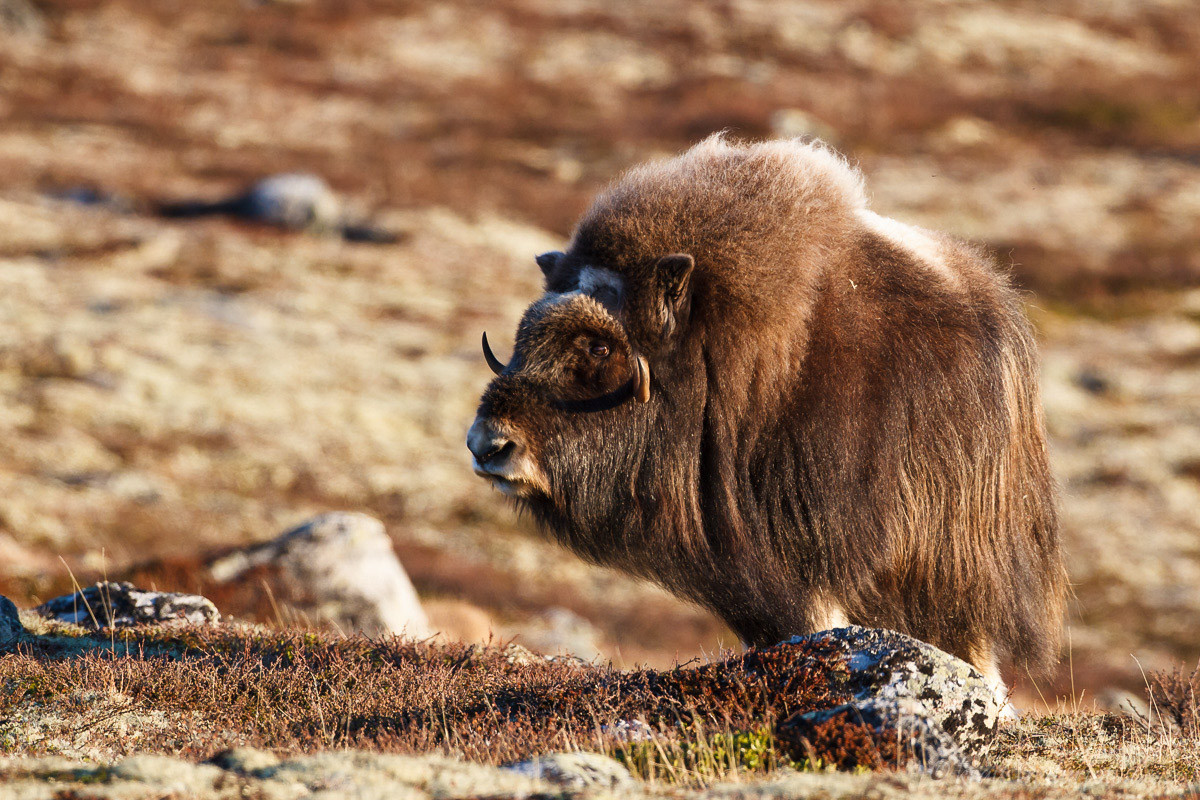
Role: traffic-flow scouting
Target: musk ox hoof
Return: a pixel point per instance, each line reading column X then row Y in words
column 916, row 704
column 122, row 605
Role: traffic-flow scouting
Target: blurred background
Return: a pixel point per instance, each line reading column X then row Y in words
column 179, row 378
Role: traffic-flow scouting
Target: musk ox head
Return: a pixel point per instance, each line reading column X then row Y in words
column 572, row 371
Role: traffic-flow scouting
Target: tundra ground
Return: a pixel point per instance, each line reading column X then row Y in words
column 171, row 388
column 76, row 706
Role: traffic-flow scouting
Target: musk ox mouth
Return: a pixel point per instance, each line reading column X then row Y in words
column 510, row 486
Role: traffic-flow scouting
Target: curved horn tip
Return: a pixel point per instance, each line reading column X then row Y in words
column 643, row 380
column 496, row 365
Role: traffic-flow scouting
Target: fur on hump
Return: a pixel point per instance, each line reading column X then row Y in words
column 758, row 218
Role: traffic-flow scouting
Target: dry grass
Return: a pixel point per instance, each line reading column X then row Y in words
column 295, row 692
column 171, row 389
column 1173, row 696
column 197, row 692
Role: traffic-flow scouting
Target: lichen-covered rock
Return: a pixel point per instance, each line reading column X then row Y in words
column 627, row 730
column 576, row 771
column 169, row 775
column 122, row 605
column 340, row 774
column 245, row 760
column 337, row 568
column 940, row 710
column 352, row 773
column 897, row 732
column 293, row 200
column 561, row 632
column 10, row 623
column 21, row 17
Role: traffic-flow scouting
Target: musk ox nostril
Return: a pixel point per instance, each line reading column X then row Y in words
column 489, row 446
column 501, row 450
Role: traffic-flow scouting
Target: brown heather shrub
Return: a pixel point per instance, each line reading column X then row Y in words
column 849, row 745
column 291, row 691
column 1175, row 698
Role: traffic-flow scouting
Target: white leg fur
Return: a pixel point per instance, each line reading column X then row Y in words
column 992, row 674
column 828, row 614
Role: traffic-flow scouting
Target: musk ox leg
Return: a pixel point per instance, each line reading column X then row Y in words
column 827, row 613
column 986, row 662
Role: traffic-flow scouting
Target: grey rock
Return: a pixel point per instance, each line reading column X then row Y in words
column 11, row 628
column 516, row 654
column 1119, row 701
column 905, row 685
column 122, row 605
column 21, row 17
column 245, row 760
column 560, row 631
column 296, row 201
column 934, row 751
column 348, row 773
column 576, row 771
column 337, row 568
column 628, row 730
column 791, row 123
column 892, row 666
column 168, row 775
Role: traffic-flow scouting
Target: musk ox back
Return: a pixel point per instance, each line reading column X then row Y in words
column 745, row 385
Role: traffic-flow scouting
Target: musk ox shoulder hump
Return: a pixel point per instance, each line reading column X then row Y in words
column 809, row 171
column 926, row 248
column 720, row 199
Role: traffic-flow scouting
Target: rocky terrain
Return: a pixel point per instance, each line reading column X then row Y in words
column 178, row 386
column 185, row 706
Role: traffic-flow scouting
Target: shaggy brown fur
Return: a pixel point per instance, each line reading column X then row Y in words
column 844, row 412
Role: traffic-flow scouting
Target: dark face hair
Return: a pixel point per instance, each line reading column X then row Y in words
column 653, row 302
column 572, row 377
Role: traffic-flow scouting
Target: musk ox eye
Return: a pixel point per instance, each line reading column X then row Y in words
column 598, row 350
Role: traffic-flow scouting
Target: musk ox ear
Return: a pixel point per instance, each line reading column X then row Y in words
column 548, row 261
column 673, row 274
column 674, row 277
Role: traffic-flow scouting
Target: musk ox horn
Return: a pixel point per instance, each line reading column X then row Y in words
column 641, row 380
column 493, row 362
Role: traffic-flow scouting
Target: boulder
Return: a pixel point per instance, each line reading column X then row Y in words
column 245, row 760
column 576, row 771
column 561, row 632
column 296, row 201
column 21, row 17
column 940, row 711
column 850, row 697
column 11, row 628
column 122, row 605
column 627, row 730
column 900, row 732
column 337, row 569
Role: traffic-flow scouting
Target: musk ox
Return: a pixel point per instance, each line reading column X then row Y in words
column 745, row 385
